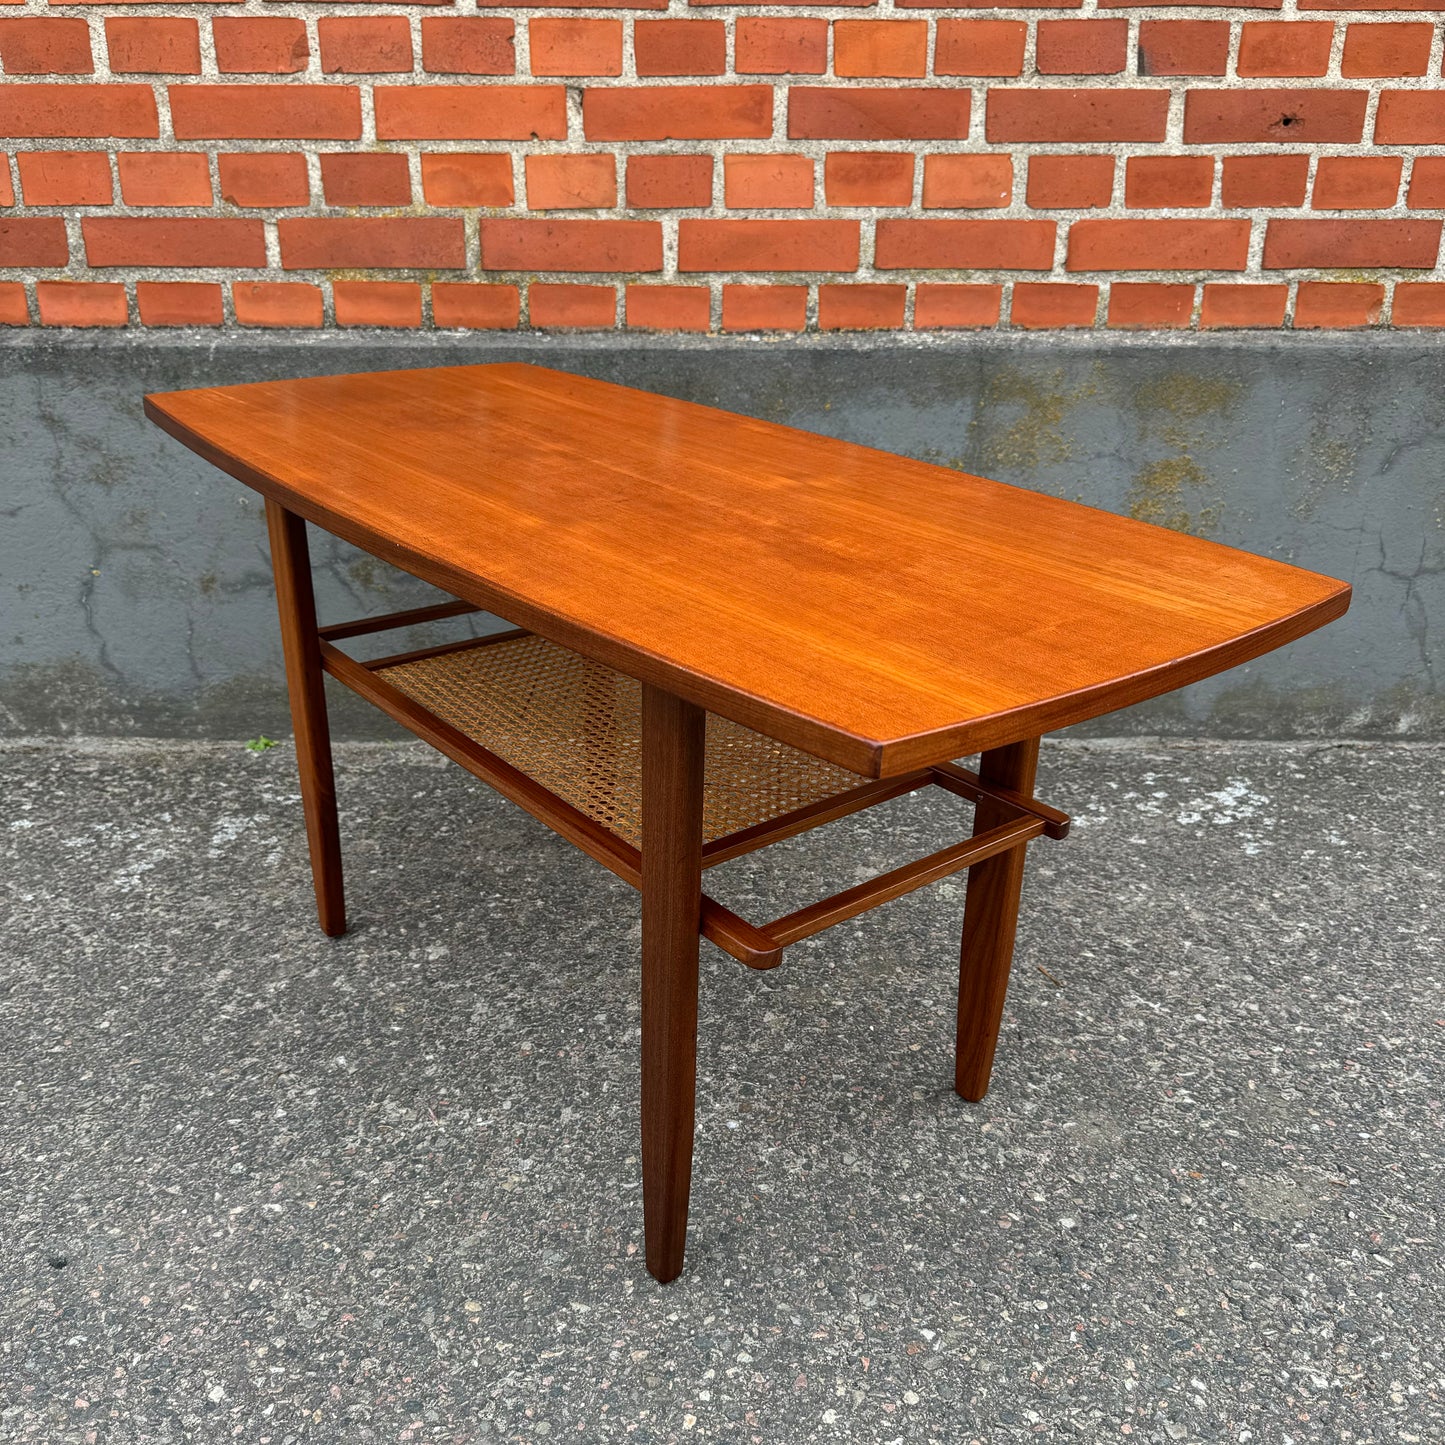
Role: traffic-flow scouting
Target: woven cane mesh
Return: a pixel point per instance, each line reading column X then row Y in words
column 576, row 728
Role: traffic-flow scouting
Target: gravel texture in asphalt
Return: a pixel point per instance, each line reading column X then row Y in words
column 260, row 1185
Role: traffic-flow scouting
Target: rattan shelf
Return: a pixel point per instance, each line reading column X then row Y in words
column 561, row 735
column 575, row 727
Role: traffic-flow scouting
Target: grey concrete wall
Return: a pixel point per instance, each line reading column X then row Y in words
column 135, row 595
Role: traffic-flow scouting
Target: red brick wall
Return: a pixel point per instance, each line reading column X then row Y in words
column 722, row 167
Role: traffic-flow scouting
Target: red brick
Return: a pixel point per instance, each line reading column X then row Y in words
column 267, row 44
column 951, row 307
column 587, row 4
column 575, row 47
column 1405, row 117
column 877, row 113
column 706, row 245
column 1291, row 117
column 669, row 308
column 861, row 307
column 678, row 112
column 1150, row 306
column 572, row 306
column 465, row 305
column 880, row 47
column 65, row 178
column 153, row 46
column 44, row 45
column 571, row 183
column 1077, row 116
column 376, row 303
column 988, row 5
column 1250, row 182
column 980, row 47
column 468, row 45
column 13, row 308
column 33, row 241
column 939, row 245
column 1154, row 182
column 972, row 182
column 1398, row 49
column 7, row 190
column 562, row 245
column 163, row 241
column 768, row 182
column 1367, row 5
column 1337, row 305
column 1285, row 47
column 1193, row 4
column 1427, row 184
column 764, row 308
column 769, row 45
column 731, row 4
column 457, row 179
column 323, row 243
column 266, row 112
column 179, row 303
column 471, row 112
column 1193, row 245
column 1409, row 245
column 276, row 303
column 1356, row 183
column 1081, row 47
column 1039, row 305
column 264, row 178
column 81, row 303
column 350, row 178
column 70, row 110
column 1418, row 303
column 1070, row 183
column 868, row 178
column 1230, row 306
column 1183, row 47
column 364, row 44
column 654, row 182
column 679, row 47
column 164, row 178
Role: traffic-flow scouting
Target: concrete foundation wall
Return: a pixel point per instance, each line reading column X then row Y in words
column 135, row 592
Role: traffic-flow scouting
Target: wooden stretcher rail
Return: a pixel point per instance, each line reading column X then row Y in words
column 969, row 785
column 757, row 946
column 465, row 644
column 852, row 901
column 413, row 617
column 800, row 820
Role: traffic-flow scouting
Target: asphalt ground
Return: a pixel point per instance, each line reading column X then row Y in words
column 260, row 1185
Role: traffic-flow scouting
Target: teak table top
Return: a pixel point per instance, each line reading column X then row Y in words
column 879, row 612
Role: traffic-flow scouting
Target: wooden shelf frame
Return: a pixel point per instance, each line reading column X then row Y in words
column 757, row 946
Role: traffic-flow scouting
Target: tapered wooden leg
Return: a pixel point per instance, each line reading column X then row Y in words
column 291, row 563
column 990, row 919
column 672, row 754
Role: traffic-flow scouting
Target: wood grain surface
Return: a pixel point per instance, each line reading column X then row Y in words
column 879, row 612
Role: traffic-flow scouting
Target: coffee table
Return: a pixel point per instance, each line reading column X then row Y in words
column 725, row 632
